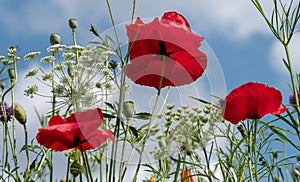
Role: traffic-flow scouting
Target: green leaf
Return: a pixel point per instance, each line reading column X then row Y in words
column 142, row 115
column 134, row 131
column 94, row 31
column 109, row 105
column 109, row 116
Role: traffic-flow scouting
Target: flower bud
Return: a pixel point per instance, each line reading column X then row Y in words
column 276, row 179
column 71, row 70
column 2, row 85
column 296, row 172
column 298, row 157
column 12, row 73
column 242, row 130
column 275, row 154
column 20, row 114
column 113, row 64
column 128, row 109
column 54, row 38
column 75, row 168
column 73, row 23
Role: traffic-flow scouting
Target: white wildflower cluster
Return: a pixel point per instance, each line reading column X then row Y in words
column 56, row 48
column 47, row 59
column 31, row 55
column 187, row 130
column 69, row 55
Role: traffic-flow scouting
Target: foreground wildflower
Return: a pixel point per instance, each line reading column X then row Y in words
column 252, row 101
column 164, row 52
column 186, row 176
column 8, row 110
column 79, row 131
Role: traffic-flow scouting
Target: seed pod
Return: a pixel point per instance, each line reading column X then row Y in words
column 2, row 85
column 128, row 109
column 12, row 73
column 73, row 23
column 20, row 114
column 71, row 70
column 54, row 38
column 75, row 169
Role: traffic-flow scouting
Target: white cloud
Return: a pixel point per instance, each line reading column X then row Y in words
column 277, row 53
column 231, row 18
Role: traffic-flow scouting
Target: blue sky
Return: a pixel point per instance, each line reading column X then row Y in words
column 245, row 48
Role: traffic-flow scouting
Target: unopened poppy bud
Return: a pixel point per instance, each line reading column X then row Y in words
column 75, row 168
column 242, row 130
column 2, row 85
column 54, row 38
column 12, row 73
column 71, row 70
column 275, row 154
column 298, row 157
column 128, row 109
column 296, row 172
column 20, row 114
column 113, row 64
column 98, row 85
column 73, row 23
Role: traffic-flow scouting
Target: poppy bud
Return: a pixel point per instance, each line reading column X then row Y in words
column 54, row 38
column 113, row 64
column 296, row 172
column 298, row 157
column 71, row 70
column 75, row 169
column 2, row 85
column 98, row 85
column 242, row 130
column 73, row 23
column 12, row 73
column 275, row 154
column 128, row 109
column 20, row 114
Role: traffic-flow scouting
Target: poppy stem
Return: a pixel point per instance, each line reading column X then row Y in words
column 86, row 165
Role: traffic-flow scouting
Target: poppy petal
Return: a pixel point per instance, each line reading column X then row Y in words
column 159, row 45
column 252, row 101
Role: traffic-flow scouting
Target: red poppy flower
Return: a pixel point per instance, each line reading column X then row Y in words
column 252, row 101
column 186, row 176
column 164, row 49
column 79, row 131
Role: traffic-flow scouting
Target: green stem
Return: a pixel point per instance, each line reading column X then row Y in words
column 254, row 149
column 123, row 150
column 86, row 166
column 26, row 176
column 151, row 119
column 291, row 72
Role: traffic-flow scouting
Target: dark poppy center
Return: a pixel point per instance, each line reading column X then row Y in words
column 162, row 48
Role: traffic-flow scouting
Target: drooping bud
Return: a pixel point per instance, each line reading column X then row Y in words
column 73, row 23
column 242, row 130
column 20, row 114
column 128, row 109
column 113, row 64
column 71, row 70
column 2, row 85
column 296, row 172
column 54, row 38
column 12, row 74
column 75, row 168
